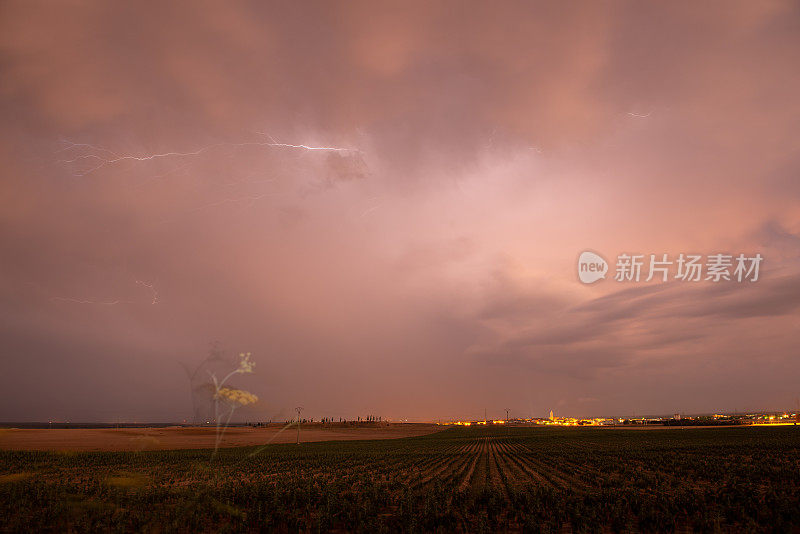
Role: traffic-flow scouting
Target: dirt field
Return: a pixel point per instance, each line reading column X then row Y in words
column 463, row 479
column 136, row 439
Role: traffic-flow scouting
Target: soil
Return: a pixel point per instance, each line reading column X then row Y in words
column 137, row 439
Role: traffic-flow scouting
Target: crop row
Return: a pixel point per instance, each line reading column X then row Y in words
column 467, row 480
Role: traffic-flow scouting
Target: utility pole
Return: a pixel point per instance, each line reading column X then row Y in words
column 508, row 430
column 298, row 410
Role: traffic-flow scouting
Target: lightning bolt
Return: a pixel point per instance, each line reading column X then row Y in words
column 98, row 302
column 104, row 156
column 306, row 147
column 370, row 210
column 71, row 145
column 151, row 288
column 639, row 116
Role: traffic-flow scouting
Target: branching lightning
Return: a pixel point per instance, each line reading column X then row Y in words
column 71, row 145
column 306, row 147
column 151, row 288
column 97, row 302
column 104, row 156
column 370, row 210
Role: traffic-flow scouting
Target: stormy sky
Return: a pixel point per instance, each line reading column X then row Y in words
column 385, row 203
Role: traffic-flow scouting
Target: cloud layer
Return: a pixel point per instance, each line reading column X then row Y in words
column 162, row 189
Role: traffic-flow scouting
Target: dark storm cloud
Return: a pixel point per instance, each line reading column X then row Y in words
column 616, row 329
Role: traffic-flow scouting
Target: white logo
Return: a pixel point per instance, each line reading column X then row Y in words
column 591, row 267
column 687, row 267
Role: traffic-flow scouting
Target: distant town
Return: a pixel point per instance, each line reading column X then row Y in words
column 717, row 419
column 764, row 418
